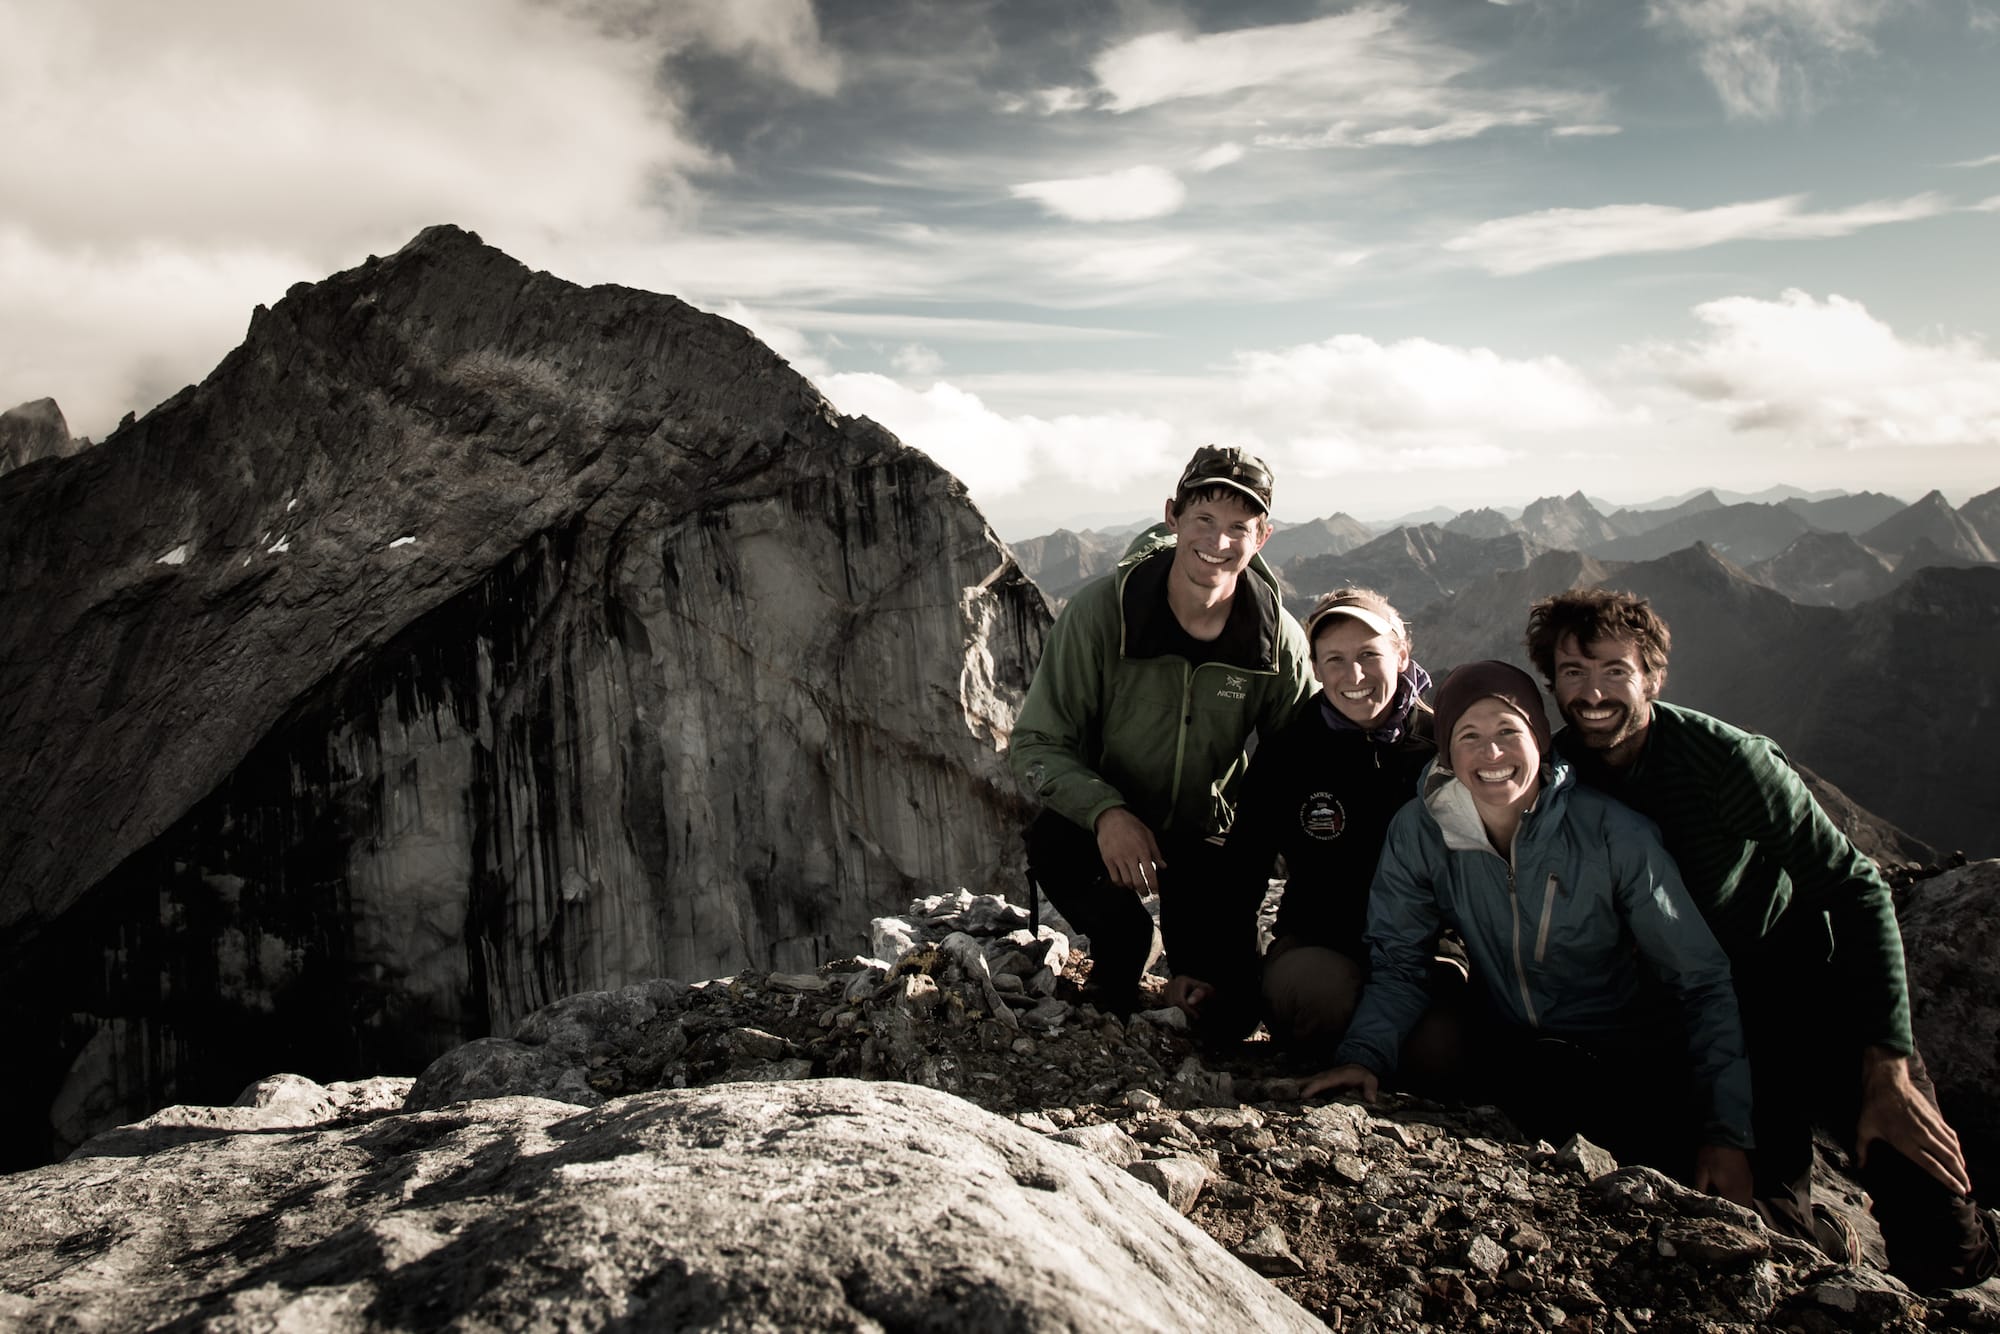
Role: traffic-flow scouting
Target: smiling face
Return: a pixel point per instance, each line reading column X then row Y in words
column 1605, row 692
column 1494, row 754
column 1357, row 667
column 1214, row 540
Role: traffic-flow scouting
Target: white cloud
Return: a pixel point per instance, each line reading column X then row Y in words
column 773, row 332
column 1468, row 125
column 1829, row 373
column 108, row 333
column 196, row 160
column 1372, row 75
column 1168, row 66
column 1221, row 155
column 996, row 455
column 1130, row 195
column 1585, row 131
column 1530, row 241
column 1406, row 399
column 1760, row 54
column 916, row 359
column 1316, row 411
column 1991, row 159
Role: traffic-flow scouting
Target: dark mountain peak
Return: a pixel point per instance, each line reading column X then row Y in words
column 34, row 430
column 1930, row 520
column 382, row 441
column 1573, row 503
column 37, row 412
column 1703, row 564
column 1983, row 513
column 1971, row 591
column 1482, row 522
column 1293, row 542
column 1825, row 568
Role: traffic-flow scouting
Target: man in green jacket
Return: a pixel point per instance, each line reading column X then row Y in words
column 1134, row 733
column 1809, row 927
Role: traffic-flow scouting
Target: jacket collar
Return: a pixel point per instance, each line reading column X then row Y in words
column 1250, row 638
column 1450, row 804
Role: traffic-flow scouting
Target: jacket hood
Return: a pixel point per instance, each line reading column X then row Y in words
column 1450, row 804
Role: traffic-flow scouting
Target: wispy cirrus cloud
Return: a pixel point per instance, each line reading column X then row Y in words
column 1132, row 194
column 1372, row 76
column 1530, row 241
column 1827, row 372
column 1762, row 56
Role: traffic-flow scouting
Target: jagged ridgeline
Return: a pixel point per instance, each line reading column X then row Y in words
column 467, row 639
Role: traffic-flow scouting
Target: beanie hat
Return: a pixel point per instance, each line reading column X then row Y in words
column 1475, row 681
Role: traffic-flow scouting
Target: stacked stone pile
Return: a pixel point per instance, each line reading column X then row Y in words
column 1405, row 1215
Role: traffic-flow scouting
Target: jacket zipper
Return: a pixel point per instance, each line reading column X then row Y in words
column 1188, row 671
column 1180, row 739
column 1548, row 911
column 1520, row 971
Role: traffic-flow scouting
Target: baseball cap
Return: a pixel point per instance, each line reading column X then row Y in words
column 1369, row 608
column 1226, row 465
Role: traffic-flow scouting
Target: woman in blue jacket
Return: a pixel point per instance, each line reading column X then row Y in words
column 1552, row 886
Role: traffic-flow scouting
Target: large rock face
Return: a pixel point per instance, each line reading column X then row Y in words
column 830, row 1205
column 469, row 638
column 1951, row 937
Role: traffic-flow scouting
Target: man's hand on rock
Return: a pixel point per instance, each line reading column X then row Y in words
column 1341, row 1079
column 1893, row 1111
column 1186, row 994
column 1131, row 854
column 1725, row 1171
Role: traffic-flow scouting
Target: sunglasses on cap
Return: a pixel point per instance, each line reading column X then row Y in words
column 1218, row 465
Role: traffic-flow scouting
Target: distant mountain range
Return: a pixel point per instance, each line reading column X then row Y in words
column 1788, row 543
column 1859, row 630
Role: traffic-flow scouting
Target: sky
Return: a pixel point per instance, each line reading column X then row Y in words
column 1445, row 252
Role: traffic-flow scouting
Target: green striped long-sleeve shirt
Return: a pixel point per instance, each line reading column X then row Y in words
column 1756, row 851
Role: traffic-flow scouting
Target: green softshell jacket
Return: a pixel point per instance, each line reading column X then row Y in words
column 1782, row 888
column 1112, row 720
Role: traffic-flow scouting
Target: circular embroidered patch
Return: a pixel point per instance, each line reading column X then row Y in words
column 1322, row 816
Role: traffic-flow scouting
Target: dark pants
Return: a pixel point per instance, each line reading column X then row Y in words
column 1632, row 1092
column 1204, row 937
column 1803, row 1074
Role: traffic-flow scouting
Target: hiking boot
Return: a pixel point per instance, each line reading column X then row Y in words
column 1832, row 1235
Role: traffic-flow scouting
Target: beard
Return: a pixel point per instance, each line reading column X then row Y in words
column 1607, row 733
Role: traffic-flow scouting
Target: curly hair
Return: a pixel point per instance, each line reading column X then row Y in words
column 1593, row 614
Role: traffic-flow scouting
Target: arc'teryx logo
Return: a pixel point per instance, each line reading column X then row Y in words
column 1232, row 687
